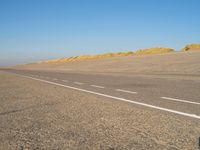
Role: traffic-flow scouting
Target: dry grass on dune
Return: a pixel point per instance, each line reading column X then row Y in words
column 88, row 57
column 147, row 51
column 191, row 47
column 157, row 50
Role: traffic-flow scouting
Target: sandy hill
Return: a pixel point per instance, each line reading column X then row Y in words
column 157, row 50
column 152, row 61
column 191, row 47
column 176, row 63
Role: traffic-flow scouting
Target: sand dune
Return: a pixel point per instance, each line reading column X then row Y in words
column 156, row 50
column 147, row 51
column 176, row 63
column 191, row 47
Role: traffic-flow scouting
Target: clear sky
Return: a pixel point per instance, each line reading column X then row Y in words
column 32, row 30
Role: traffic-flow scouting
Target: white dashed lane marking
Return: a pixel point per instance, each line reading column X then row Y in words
column 65, row 80
column 79, row 83
column 131, row 92
column 97, row 86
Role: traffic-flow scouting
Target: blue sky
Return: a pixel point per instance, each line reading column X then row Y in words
column 32, row 30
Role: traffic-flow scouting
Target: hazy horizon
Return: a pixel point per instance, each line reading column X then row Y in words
column 40, row 30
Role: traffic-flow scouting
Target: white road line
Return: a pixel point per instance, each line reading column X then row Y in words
column 126, row 91
column 97, row 86
column 180, row 100
column 65, row 80
column 116, row 98
column 79, row 83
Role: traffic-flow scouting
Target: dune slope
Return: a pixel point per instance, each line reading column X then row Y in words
column 187, row 63
column 191, row 47
column 157, row 50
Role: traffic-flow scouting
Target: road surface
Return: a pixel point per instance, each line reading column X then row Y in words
column 139, row 112
column 179, row 95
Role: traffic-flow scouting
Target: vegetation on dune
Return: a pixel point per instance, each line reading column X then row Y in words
column 191, row 47
column 110, row 55
column 88, row 57
column 156, row 50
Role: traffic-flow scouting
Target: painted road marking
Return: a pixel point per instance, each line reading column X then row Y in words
column 65, row 80
column 180, row 100
column 97, row 86
column 116, row 98
column 126, row 91
column 79, row 83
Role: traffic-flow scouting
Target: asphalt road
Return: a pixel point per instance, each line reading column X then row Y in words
column 175, row 94
column 177, row 100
